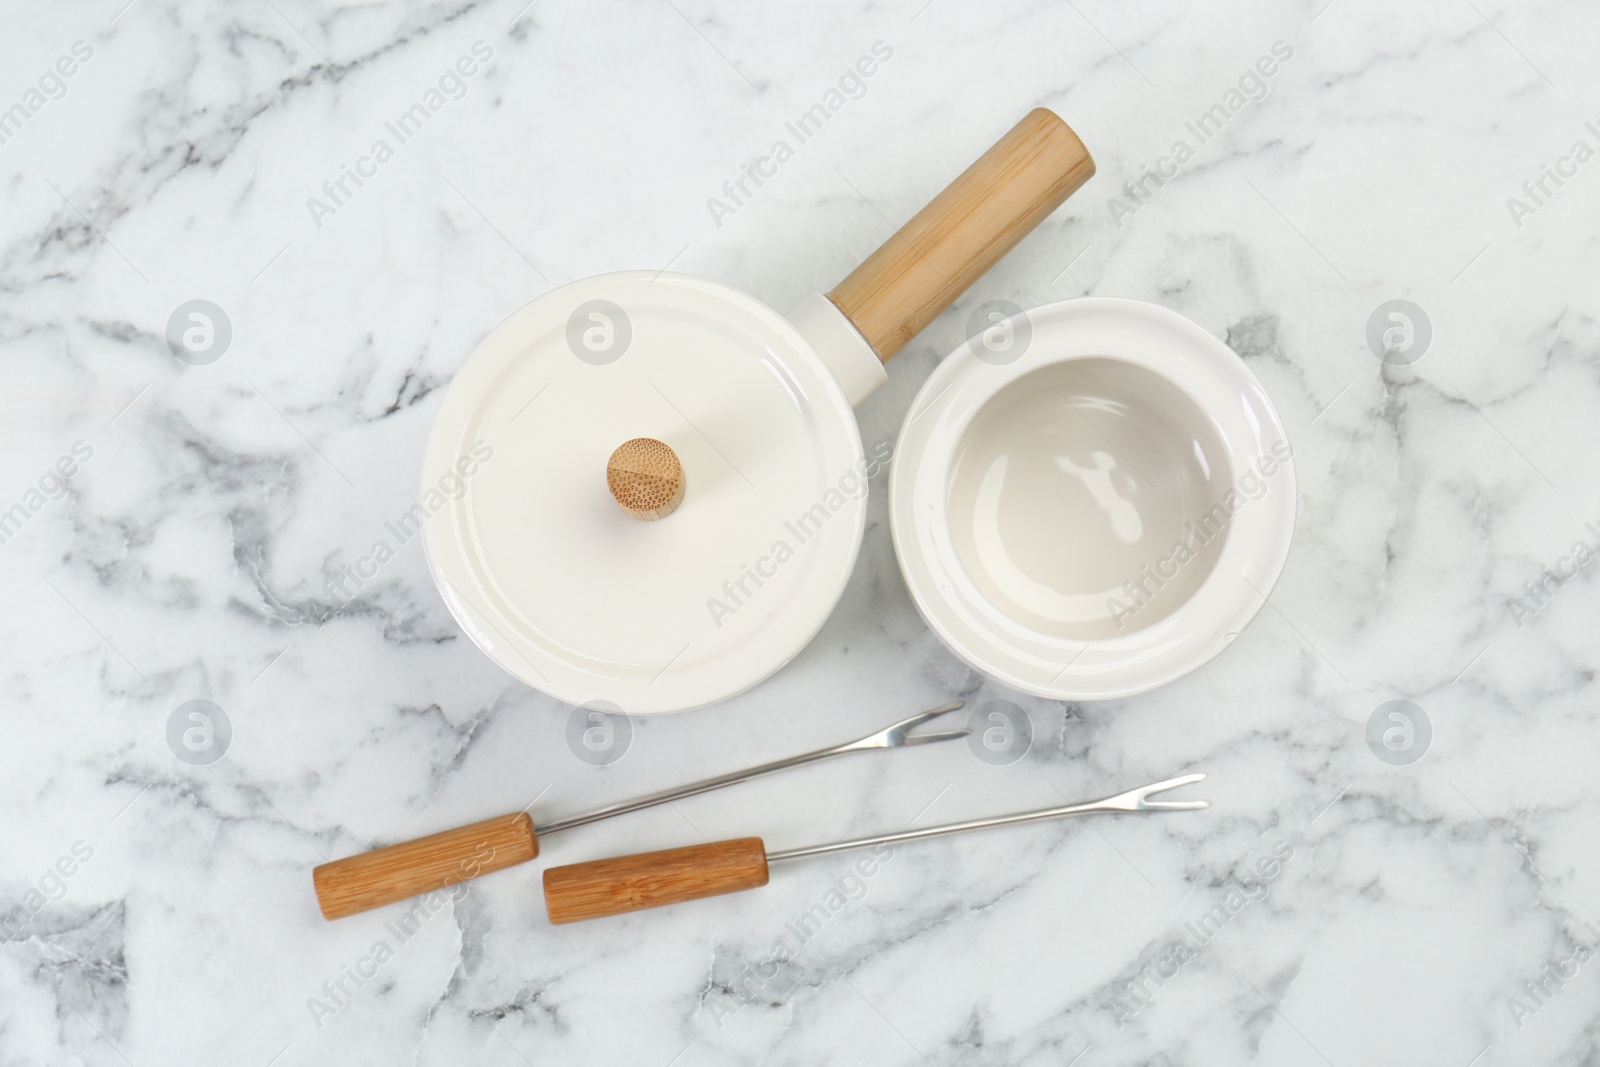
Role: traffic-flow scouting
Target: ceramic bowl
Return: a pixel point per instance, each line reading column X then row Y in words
column 1091, row 499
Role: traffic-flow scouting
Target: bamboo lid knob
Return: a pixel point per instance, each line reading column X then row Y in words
column 646, row 478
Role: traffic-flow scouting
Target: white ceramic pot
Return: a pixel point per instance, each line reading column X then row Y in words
column 575, row 596
column 1091, row 498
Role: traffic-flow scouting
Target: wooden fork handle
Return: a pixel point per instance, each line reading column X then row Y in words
column 438, row 861
column 599, row 888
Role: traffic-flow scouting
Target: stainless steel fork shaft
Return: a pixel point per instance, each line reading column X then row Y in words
column 886, row 738
column 1131, row 801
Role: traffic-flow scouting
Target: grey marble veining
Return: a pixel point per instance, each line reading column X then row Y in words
column 1330, row 908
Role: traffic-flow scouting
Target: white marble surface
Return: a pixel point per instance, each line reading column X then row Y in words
column 186, row 559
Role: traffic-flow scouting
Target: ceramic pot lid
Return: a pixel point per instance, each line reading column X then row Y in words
column 565, row 589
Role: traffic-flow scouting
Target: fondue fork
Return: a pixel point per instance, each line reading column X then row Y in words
column 371, row 879
column 600, row 888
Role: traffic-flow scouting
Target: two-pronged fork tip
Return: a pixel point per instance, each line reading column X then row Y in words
column 928, row 716
column 1149, row 791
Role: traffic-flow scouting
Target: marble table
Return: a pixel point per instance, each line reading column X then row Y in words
column 174, row 528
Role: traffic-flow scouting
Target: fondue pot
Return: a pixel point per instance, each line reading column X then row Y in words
column 662, row 485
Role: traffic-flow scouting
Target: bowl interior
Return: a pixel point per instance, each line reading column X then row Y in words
column 1083, row 498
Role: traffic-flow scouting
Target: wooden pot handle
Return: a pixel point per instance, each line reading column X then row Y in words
column 438, row 861
column 599, row 888
column 978, row 218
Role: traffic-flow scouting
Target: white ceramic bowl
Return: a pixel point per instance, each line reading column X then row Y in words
column 1092, row 502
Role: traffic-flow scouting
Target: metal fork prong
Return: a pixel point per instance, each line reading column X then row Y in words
column 1142, row 795
column 932, row 713
column 1173, row 783
column 895, row 735
column 948, row 735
